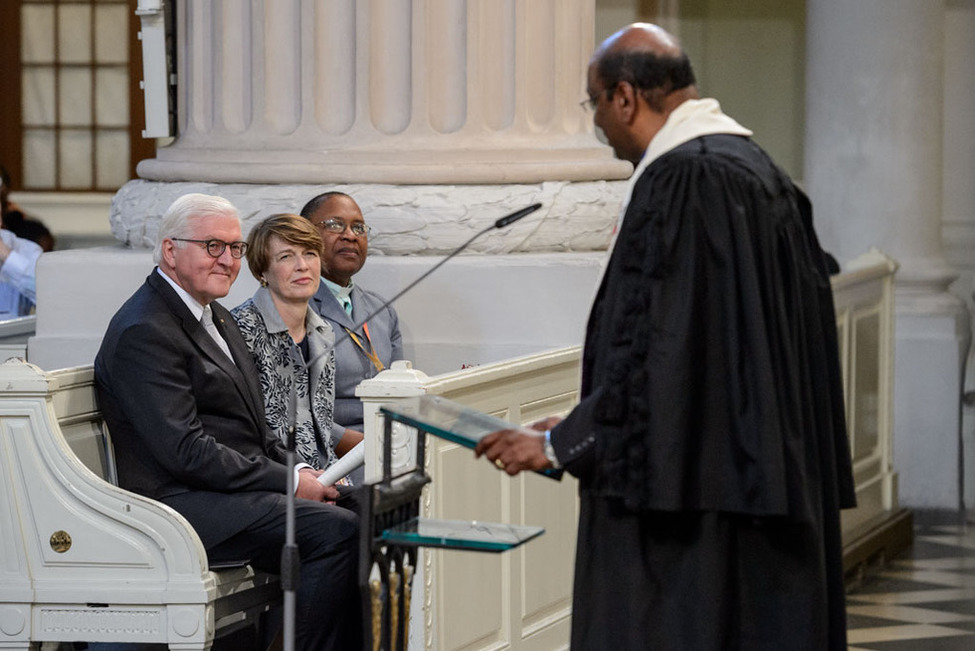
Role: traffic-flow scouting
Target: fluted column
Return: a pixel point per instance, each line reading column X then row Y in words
column 873, row 167
column 383, row 91
column 958, row 233
column 959, row 141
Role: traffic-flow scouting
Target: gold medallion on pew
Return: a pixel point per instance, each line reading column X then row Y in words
column 60, row 541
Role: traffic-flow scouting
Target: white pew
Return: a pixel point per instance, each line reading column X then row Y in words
column 14, row 333
column 84, row 560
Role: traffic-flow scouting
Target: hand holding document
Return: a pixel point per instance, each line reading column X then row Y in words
column 352, row 460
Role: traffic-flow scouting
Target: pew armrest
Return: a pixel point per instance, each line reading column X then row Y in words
column 84, row 560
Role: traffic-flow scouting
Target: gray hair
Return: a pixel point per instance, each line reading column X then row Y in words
column 176, row 220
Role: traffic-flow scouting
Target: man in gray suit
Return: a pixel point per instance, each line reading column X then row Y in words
column 374, row 346
column 180, row 394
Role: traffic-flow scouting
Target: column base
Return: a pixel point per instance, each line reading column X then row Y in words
column 407, row 219
column 390, row 163
column 930, row 345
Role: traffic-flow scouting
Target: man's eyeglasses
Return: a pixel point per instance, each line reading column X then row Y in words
column 592, row 102
column 216, row 247
column 359, row 229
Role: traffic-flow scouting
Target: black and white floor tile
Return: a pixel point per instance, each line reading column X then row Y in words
column 925, row 599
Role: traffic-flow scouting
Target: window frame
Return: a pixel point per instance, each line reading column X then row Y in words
column 11, row 101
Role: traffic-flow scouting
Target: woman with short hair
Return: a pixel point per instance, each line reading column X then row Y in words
column 291, row 345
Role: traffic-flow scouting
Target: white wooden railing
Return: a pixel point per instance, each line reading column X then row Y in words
column 864, row 299
column 521, row 600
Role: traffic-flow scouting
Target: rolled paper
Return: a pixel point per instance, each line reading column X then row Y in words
column 352, row 460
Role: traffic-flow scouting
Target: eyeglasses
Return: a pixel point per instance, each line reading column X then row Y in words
column 359, row 229
column 592, row 101
column 216, row 247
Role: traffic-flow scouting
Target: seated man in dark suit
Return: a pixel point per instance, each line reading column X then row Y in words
column 180, row 395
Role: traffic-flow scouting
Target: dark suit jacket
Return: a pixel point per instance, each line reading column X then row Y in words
column 351, row 365
column 186, row 423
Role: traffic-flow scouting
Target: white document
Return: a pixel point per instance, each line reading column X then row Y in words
column 352, row 460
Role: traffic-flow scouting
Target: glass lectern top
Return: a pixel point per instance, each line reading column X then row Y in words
column 465, row 426
column 446, row 419
column 460, row 534
column 452, row 421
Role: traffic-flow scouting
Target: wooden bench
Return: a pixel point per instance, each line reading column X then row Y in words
column 84, row 560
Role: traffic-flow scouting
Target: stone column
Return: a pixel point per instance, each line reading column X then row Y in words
column 958, row 230
column 434, row 111
column 873, row 166
column 383, row 91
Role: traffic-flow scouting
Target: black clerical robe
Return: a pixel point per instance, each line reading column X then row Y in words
column 710, row 440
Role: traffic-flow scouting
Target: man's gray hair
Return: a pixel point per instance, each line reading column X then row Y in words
column 176, row 220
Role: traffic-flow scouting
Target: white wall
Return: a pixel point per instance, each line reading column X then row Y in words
column 473, row 310
column 750, row 56
column 76, row 219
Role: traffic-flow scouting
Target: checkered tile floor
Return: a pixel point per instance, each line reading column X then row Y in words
column 925, row 599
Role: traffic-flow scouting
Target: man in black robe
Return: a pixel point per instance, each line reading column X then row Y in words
column 710, row 440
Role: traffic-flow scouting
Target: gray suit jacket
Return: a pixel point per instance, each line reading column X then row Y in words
column 351, row 365
column 187, row 424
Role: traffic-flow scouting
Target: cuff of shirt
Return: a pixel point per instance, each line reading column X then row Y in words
column 299, row 466
column 17, row 270
column 550, row 450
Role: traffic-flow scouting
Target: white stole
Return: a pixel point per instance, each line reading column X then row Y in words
column 692, row 119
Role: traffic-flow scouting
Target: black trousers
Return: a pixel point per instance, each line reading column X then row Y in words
column 328, row 610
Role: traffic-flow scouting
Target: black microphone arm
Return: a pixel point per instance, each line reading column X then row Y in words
column 500, row 223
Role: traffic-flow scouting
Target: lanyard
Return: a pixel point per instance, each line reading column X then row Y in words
column 371, row 353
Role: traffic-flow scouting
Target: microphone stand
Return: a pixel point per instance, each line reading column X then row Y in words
column 290, row 557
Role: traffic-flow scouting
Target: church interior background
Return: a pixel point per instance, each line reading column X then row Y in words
column 442, row 115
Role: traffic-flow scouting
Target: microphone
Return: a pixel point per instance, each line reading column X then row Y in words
column 507, row 220
column 516, row 215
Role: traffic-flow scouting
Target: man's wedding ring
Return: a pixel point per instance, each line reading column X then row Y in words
column 499, row 463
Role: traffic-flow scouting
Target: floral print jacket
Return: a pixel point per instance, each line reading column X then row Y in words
column 288, row 394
